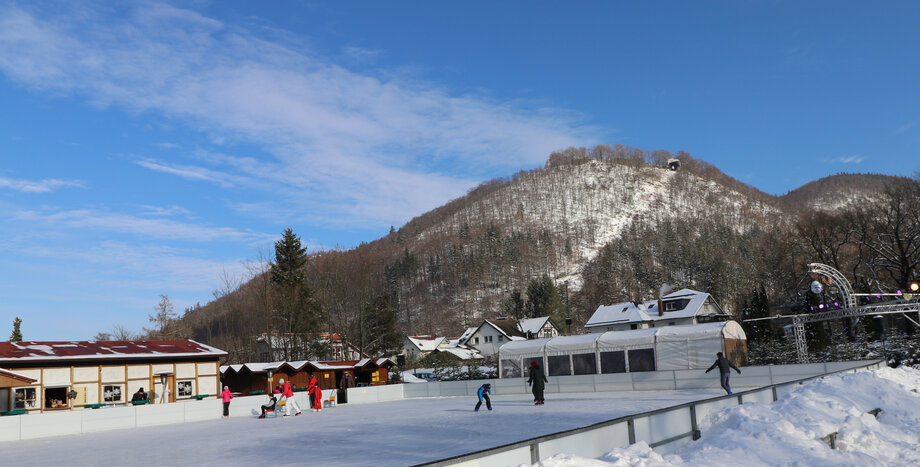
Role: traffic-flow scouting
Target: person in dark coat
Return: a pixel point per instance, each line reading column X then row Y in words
column 725, row 365
column 140, row 395
column 483, row 393
column 270, row 406
column 538, row 382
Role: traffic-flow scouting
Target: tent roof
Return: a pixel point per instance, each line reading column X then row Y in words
column 523, row 348
column 566, row 344
column 623, row 339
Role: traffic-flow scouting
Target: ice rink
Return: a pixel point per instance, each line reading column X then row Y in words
column 389, row 433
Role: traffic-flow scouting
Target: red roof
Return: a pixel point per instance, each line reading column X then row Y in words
column 87, row 350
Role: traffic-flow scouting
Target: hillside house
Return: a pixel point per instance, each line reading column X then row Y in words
column 419, row 346
column 271, row 347
column 683, row 307
column 494, row 333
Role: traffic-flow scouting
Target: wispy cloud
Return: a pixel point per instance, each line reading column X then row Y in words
column 41, row 186
column 854, row 159
column 904, row 128
column 153, row 227
column 333, row 133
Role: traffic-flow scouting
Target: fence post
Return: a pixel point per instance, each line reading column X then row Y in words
column 631, row 429
column 693, row 424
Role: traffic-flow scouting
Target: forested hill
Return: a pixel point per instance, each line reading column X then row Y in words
column 593, row 226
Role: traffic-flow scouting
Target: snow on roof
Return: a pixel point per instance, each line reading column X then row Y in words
column 426, row 343
column 523, row 348
column 508, row 327
column 628, row 312
column 91, row 350
column 532, row 325
column 466, row 335
column 463, row 353
column 565, row 344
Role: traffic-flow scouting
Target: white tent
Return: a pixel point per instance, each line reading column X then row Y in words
column 514, row 355
column 686, row 347
column 664, row 348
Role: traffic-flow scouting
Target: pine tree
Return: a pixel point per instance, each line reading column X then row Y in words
column 381, row 327
column 296, row 313
column 543, row 300
column 16, row 335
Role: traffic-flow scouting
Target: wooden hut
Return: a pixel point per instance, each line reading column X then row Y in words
column 67, row 375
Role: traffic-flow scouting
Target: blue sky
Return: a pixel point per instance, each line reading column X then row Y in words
column 152, row 148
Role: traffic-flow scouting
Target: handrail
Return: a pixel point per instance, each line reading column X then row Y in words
column 533, row 443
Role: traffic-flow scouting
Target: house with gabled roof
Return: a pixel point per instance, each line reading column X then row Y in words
column 494, row 333
column 683, row 307
column 418, row 346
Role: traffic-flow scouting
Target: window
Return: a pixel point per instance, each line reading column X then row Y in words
column 559, row 365
column 487, row 338
column 642, row 360
column 475, row 340
column 633, row 326
column 501, row 338
column 25, row 398
column 111, row 393
column 584, row 364
column 511, row 369
column 184, row 388
column 613, row 362
column 671, row 323
column 55, row 398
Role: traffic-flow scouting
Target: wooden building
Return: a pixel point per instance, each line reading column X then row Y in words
column 258, row 377
column 68, row 375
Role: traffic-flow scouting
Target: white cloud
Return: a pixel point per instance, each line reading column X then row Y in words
column 854, row 159
column 371, row 143
column 41, row 186
column 153, row 227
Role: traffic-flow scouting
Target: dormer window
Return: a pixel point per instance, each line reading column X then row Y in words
column 670, row 306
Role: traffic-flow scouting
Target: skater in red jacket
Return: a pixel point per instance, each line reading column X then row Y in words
column 316, row 395
column 310, row 386
column 288, row 395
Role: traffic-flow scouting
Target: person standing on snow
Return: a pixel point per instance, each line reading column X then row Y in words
column 483, row 393
column 288, row 395
column 538, row 382
column 725, row 366
column 226, row 396
column 316, row 396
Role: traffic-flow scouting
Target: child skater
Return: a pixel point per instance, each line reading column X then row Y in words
column 483, row 393
column 316, row 395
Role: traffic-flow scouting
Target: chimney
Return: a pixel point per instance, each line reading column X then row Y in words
column 660, row 308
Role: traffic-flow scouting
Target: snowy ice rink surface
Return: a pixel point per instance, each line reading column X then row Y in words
column 390, row 433
column 786, row 432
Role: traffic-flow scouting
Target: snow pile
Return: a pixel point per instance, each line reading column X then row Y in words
column 789, row 431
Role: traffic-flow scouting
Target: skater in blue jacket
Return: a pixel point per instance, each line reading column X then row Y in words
column 483, row 393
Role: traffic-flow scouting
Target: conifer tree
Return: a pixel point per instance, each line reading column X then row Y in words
column 16, row 335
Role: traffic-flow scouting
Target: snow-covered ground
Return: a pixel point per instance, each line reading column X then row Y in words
column 789, row 431
column 786, row 432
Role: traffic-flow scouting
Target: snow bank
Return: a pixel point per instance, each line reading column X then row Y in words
column 789, row 431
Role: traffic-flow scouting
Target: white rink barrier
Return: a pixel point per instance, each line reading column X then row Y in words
column 664, row 430
column 30, row 426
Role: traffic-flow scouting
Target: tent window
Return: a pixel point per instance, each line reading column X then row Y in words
column 633, row 326
column 642, row 360
column 511, row 369
column 584, row 364
column 613, row 362
column 559, row 365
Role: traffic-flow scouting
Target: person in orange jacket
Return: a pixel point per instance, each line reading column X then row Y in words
column 288, row 394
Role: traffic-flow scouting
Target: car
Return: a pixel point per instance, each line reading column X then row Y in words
column 426, row 376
